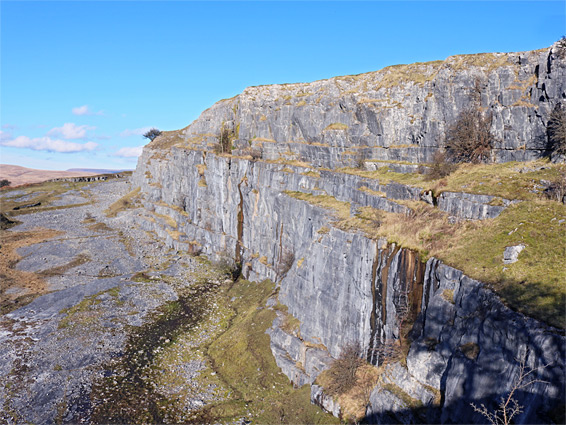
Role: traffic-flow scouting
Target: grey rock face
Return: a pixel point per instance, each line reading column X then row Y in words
column 323, row 400
column 471, row 206
column 397, row 114
column 342, row 286
column 511, row 253
column 470, row 347
column 301, row 363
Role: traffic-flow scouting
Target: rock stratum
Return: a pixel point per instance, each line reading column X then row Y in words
column 253, row 204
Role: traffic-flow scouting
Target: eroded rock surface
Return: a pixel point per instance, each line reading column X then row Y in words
column 340, row 286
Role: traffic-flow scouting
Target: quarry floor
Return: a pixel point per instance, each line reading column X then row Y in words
column 102, row 323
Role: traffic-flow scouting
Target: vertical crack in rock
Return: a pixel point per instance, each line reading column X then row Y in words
column 280, row 256
column 238, row 253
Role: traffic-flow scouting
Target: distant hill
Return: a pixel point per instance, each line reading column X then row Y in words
column 21, row 175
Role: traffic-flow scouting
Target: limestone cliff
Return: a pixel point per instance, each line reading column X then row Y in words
column 398, row 113
column 343, row 286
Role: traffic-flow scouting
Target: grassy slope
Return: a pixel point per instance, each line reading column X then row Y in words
column 534, row 285
column 510, row 180
column 243, row 359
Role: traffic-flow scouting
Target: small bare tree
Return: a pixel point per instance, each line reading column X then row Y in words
column 224, row 141
column 286, row 260
column 343, row 370
column 509, row 407
column 556, row 130
column 556, row 189
column 440, row 166
column 469, row 138
column 152, row 134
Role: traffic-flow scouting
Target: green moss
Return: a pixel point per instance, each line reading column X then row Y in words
column 85, row 312
column 242, row 357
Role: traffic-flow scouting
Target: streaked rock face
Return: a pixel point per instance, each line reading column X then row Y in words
column 398, row 113
column 342, row 286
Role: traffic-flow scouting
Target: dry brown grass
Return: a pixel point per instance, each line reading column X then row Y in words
column 372, row 192
column 341, row 209
column 175, row 234
column 169, row 221
column 32, row 284
column 129, row 200
column 337, row 126
column 353, row 402
column 533, row 285
column 59, row 270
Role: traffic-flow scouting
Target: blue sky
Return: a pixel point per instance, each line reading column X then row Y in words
column 81, row 80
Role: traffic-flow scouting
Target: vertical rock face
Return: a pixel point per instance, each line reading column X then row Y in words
column 470, row 346
column 342, row 287
column 399, row 113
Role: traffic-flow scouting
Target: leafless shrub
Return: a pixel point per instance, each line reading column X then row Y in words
column 556, row 189
column 388, row 352
column 509, row 407
column 556, row 129
column 285, row 263
column 194, row 249
column 224, row 141
column 255, row 154
column 360, row 159
column 342, row 371
column 469, row 138
column 440, row 167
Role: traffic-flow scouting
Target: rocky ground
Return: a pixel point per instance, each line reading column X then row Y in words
column 109, row 288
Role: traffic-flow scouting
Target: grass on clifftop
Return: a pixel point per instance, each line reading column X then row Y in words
column 509, row 180
column 534, row 285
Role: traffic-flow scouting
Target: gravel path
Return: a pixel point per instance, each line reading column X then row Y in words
column 53, row 349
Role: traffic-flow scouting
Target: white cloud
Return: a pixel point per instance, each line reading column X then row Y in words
column 70, row 131
column 48, row 144
column 85, row 110
column 133, row 152
column 4, row 136
column 135, row 132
